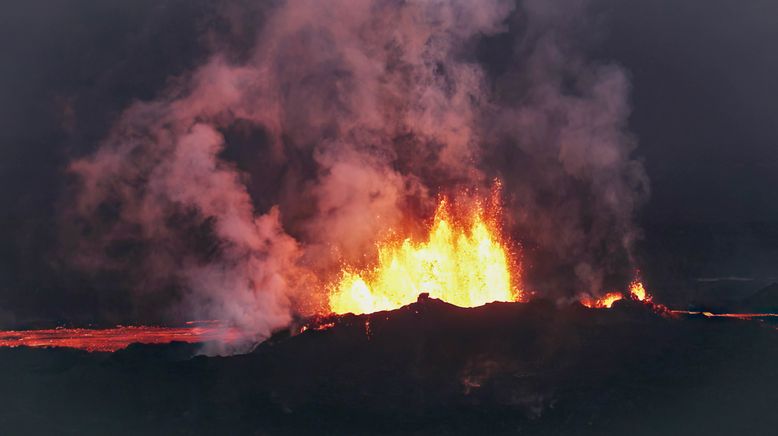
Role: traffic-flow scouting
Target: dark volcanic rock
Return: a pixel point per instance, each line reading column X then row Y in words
column 763, row 301
column 428, row 368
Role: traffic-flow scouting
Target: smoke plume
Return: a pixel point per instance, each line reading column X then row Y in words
column 366, row 111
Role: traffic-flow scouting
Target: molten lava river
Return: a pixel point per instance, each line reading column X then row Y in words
column 117, row 338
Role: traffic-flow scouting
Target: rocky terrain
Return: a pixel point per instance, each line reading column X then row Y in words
column 427, row 368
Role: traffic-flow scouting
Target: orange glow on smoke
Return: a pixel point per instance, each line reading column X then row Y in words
column 463, row 260
column 117, row 338
column 604, row 302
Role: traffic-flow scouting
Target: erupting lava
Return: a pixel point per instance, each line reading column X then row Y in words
column 637, row 291
column 463, row 261
column 117, row 338
column 605, row 301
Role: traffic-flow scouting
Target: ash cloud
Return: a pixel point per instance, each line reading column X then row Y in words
column 367, row 110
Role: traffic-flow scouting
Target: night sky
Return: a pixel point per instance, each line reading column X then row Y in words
column 704, row 93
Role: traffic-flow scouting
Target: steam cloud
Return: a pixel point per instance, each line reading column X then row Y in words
column 370, row 108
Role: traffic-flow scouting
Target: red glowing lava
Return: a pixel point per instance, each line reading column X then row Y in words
column 117, row 338
column 746, row 316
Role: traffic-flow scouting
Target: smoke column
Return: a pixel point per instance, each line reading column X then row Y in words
column 371, row 109
column 561, row 122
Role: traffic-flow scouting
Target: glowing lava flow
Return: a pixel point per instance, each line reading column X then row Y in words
column 462, row 261
column 117, row 338
column 744, row 316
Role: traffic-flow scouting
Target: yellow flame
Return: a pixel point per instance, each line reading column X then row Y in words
column 463, row 264
column 637, row 290
column 603, row 302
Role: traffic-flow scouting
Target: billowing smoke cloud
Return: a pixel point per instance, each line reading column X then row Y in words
column 379, row 105
column 564, row 117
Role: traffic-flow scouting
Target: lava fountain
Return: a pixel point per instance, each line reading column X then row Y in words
column 464, row 260
column 638, row 291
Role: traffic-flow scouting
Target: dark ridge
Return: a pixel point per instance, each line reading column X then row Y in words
column 763, row 301
column 427, row 368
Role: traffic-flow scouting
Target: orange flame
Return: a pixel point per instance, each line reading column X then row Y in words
column 638, row 291
column 461, row 261
column 605, row 301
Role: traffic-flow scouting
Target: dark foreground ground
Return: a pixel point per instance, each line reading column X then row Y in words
column 429, row 368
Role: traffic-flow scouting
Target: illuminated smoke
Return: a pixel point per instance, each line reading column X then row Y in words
column 378, row 105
